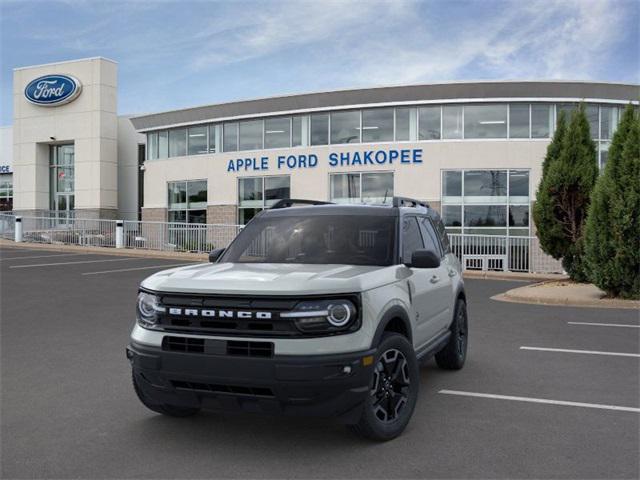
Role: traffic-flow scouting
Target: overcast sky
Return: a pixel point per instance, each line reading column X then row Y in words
column 186, row 53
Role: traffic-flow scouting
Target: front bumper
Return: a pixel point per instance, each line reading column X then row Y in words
column 319, row 385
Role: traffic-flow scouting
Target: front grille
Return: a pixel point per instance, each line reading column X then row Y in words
column 250, row 349
column 230, row 389
column 218, row 347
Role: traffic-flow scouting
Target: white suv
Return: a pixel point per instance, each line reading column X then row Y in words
column 314, row 309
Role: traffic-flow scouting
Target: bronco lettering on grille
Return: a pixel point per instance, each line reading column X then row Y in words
column 194, row 312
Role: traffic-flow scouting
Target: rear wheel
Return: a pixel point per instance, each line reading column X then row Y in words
column 393, row 390
column 164, row 409
column 454, row 354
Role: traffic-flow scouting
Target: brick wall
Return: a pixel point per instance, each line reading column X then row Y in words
column 154, row 214
column 222, row 214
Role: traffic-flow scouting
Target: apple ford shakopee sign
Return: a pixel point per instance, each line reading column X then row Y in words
column 53, row 90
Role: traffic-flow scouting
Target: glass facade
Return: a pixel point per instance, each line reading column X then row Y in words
column 6, row 192
column 486, row 202
column 369, row 125
column 62, row 179
column 361, row 187
column 257, row 193
column 187, row 201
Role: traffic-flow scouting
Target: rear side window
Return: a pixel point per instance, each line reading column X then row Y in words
column 442, row 232
column 431, row 241
column 411, row 238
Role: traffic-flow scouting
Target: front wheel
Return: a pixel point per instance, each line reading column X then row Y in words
column 393, row 390
column 454, row 354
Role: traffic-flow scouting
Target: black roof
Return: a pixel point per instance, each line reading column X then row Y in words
column 339, row 209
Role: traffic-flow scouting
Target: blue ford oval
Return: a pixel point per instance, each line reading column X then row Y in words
column 52, row 90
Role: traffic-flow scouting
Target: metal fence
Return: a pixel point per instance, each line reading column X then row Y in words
column 69, row 231
column 476, row 252
column 501, row 253
column 7, row 226
column 178, row 237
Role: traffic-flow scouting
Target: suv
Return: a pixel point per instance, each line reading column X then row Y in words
column 313, row 309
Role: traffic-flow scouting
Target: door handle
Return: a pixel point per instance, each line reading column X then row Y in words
column 452, row 273
column 434, row 279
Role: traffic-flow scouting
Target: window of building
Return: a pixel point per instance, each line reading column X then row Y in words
column 296, row 131
column 541, row 120
column 411, row 238
column 377, row 125
column 257, row 193
column 213, row 147
column 230, row 137
column 152, row 146
column 251, row 135
column 608, row 122
column 178, row 142
column 6, row 192
column 62, row 179
column 519, row 120
column 429, row 123
column 592, row 113
column 277, row 132
column 485, row 121
column 486, row 202
column 403, row 124
column 345, row 127
column 187, row 201
column 163, row 144
column 320, row 129
column 197, row 140
column 452, row 121
column 370, row 187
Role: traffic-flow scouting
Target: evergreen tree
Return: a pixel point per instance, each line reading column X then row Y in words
column 612, row 239
column 549, row 231
column 564, row 195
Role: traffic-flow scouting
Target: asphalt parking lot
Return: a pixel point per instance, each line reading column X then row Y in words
column 564, row 406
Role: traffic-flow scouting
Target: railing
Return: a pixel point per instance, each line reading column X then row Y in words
column 501, row 253
column 178, row 237
column 7, row 226
column 69, row 231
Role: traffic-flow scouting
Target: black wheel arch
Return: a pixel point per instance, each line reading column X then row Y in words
column 396, row 320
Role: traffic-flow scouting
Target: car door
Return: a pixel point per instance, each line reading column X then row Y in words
column 421, row 287
column 441, row 279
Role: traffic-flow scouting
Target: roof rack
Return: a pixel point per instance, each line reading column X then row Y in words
column 291, row 202
column 408, row 202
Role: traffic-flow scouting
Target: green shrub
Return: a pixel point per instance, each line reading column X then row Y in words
column 612, row 238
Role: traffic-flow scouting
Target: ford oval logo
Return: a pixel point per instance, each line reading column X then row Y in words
column 52, row 90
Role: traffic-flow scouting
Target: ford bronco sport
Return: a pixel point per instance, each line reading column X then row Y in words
column 313, row 309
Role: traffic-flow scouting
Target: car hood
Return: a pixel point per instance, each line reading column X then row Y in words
column 270, row 278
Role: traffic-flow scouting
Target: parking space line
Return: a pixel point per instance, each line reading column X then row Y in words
column 588, row 352
column 43, row 256
column 541, row 400
column 623, row 325
column 138, row 268
column 74, row 263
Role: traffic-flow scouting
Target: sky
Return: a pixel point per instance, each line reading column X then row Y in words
column 177, row 54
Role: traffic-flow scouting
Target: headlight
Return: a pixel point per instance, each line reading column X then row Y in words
column 324, row 316
column 148, row 307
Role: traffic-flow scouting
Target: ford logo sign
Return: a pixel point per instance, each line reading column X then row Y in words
column 53, row 90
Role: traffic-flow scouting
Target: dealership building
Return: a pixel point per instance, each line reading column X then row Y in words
column 473, row 150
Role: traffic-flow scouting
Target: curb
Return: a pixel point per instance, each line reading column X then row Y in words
column 514, row 276
column 513, row 296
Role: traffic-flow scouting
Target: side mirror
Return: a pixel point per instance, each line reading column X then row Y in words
column 424, row 259
column 215, row 254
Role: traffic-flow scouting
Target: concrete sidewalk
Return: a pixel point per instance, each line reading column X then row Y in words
column 564, row 292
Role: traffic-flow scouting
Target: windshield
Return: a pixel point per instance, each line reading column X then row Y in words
column 319, row 239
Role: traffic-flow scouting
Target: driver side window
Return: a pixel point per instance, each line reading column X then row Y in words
column 411, row 238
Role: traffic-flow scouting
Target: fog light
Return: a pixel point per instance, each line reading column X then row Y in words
column 368, row 360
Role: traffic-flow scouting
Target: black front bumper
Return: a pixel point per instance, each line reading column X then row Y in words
column 321, row 385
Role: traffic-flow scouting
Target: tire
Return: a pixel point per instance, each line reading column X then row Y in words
column 454, row 354
column 164, row 409
column 394, row 387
